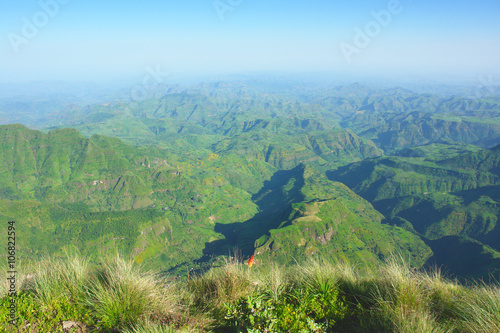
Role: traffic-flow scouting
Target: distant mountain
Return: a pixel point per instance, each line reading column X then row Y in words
column 393, row 118
column 187, row 174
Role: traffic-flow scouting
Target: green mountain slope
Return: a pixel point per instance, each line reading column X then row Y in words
column 161, row 207
column 392, row 118
column 336, row 147
column 392, row 177
column 193, row 172
column 65, row 189
column 451, row 197
column 331, row 220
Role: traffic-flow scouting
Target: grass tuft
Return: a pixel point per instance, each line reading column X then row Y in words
column 316, row 296
column 120, row 294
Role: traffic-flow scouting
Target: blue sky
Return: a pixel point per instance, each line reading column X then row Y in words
column 108, row 39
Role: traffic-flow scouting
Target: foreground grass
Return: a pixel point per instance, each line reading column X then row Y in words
column 313, row 297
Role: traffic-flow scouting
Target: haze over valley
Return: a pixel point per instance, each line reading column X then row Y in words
column 192, row 139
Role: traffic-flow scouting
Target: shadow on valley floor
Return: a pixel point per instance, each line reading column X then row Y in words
column 463, row 258
column 274, row 200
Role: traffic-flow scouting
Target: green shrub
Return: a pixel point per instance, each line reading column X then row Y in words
column 299, row 309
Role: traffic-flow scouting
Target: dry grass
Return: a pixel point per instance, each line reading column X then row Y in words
column 395, row 298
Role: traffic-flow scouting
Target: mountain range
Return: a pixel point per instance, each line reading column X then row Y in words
column 284, row 173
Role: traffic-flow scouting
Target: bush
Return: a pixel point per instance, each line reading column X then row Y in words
column 301, row 310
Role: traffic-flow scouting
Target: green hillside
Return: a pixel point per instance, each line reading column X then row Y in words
column 333, row 221
column 393, row 118
column 437, row 200
column 98, row 195
column 192, row 173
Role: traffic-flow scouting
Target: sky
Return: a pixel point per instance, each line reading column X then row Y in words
column 79, row 40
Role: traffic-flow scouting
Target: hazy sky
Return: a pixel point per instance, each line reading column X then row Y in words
column 105, row 39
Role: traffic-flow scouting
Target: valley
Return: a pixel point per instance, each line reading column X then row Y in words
column 352, row 172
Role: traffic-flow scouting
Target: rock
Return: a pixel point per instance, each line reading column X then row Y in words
column 74, row 326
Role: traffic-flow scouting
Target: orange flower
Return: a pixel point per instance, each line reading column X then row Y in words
column 250, row 262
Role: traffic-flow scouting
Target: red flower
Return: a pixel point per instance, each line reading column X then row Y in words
column 250, row 262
